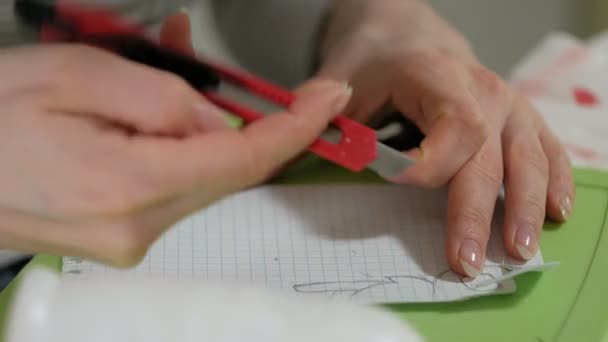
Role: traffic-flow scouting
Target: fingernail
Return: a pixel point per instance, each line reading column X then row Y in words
column 566, row 207
column 525, row 242
column 323, row 96
column 348, row 89
column 210, row 118
column 416, row 154
column 470, row 258
column 342, row 97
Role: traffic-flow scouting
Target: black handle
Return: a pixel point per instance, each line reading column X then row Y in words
column 35, row 13
column 199, row 75
column 41, row 13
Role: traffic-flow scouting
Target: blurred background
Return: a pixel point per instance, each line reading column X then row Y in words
column 502, row 31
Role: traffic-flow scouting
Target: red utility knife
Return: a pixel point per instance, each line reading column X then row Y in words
column 350, row 144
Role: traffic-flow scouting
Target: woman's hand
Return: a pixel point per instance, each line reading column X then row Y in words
column 479, row 133
column 101, row 155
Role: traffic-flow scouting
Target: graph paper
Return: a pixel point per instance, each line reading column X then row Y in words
column 365, row 243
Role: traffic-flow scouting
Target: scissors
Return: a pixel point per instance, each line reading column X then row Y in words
column 346, row 143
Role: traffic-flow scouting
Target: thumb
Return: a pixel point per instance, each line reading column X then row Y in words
column 229, row 160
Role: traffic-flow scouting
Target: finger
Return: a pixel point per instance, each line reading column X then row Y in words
column 526, row 180
column 444, row 108
column 561, row 190
column 226, row 161
column 370, row 85
column 145, row 99
column 229, row 160
column 471, row 201
column 176, row 33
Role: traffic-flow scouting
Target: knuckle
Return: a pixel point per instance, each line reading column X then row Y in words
column 531, row 154
column 429, row 62
column 491, row 82
column 173, row 96
column 535, row 205
column 472, row 222
column 538, row 161
column 462, row 115
column 488, row 169
column 473, row 123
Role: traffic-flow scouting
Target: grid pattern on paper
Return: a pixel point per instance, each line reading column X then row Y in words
column 368, row 243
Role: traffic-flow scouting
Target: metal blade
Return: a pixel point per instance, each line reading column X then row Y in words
column 389, row 162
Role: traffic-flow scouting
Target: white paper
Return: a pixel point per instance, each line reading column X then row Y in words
column 366, row 243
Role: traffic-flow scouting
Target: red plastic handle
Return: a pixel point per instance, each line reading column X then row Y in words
column 355, row 150
column 357, row 146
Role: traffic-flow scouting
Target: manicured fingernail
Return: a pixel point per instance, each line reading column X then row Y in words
column 415, row 154
column 348, row 89
column 526, row 242
column 210, row 118
column 343, row 96
column 470, row 258
column 566, row 207
column 324, row 96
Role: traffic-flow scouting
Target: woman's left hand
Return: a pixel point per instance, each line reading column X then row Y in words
column 479, row 133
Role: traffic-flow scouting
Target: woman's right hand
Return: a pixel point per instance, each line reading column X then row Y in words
column 99, row 156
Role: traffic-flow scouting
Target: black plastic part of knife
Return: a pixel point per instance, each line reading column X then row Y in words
column 41, row 13
column 410, row 137
column 35, row 13
column 198, row 74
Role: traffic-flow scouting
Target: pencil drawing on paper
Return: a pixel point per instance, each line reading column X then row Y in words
column 352, row 288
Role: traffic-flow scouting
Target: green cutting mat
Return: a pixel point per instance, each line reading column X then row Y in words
column 565, row 304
